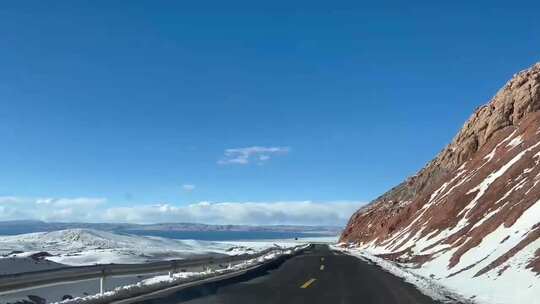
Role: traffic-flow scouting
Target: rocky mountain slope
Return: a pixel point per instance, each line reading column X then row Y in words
column 471, row 217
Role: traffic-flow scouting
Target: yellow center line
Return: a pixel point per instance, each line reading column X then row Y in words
column 322, row 267
column 308, row 283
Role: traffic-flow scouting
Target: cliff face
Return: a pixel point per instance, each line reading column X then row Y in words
column 475, row 208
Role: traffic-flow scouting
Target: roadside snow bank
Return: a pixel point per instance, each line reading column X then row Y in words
column 259, row 245
column 425, row 285
column 164, row 281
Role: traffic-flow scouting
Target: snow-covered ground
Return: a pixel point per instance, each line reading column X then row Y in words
column 77, row 247
column 426, row 285
column 48, row 250
column 164, row 281
column 117, row 287
column 57, row 292
column 516, row 285
column 87, row 247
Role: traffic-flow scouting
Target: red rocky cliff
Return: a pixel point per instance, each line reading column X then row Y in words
column 475, row 208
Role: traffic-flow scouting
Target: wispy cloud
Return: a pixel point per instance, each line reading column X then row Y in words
column 188, row 187
column 50, row 209
column 80, row 202
column 244, row 156
column 254, row 213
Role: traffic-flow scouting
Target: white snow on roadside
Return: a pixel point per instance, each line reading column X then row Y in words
column 492, row 287
column 162, row 282
column 87, row 247
column 426, row 286
column 259, row 245
column 514, row 285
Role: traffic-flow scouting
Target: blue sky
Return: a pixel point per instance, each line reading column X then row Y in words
column 124, row 107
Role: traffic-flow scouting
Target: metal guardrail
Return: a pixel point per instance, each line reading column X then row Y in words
column 27, row 280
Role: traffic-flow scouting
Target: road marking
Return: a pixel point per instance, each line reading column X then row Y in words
column 308, row 283
column 322, row 267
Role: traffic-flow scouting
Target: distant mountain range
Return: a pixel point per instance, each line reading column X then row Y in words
column 29, row 226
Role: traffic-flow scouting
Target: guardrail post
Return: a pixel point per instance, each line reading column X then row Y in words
column 102, row 282
column 173, row 269
column 209, row 267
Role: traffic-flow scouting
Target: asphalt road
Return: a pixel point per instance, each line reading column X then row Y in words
column 318, row 275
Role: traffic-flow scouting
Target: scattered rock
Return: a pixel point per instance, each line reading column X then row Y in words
column 37, row 300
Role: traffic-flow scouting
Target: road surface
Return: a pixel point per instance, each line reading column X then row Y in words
column 316, row 276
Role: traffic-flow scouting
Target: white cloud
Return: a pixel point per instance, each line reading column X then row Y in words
column 188, row 187
column 254, row 213
column 11, row 200
column 50, row 209
column 243, row 156
column 81, row 202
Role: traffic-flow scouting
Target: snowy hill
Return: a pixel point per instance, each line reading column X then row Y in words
column 471, row 218
column 88, row 246
column 79, row 239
